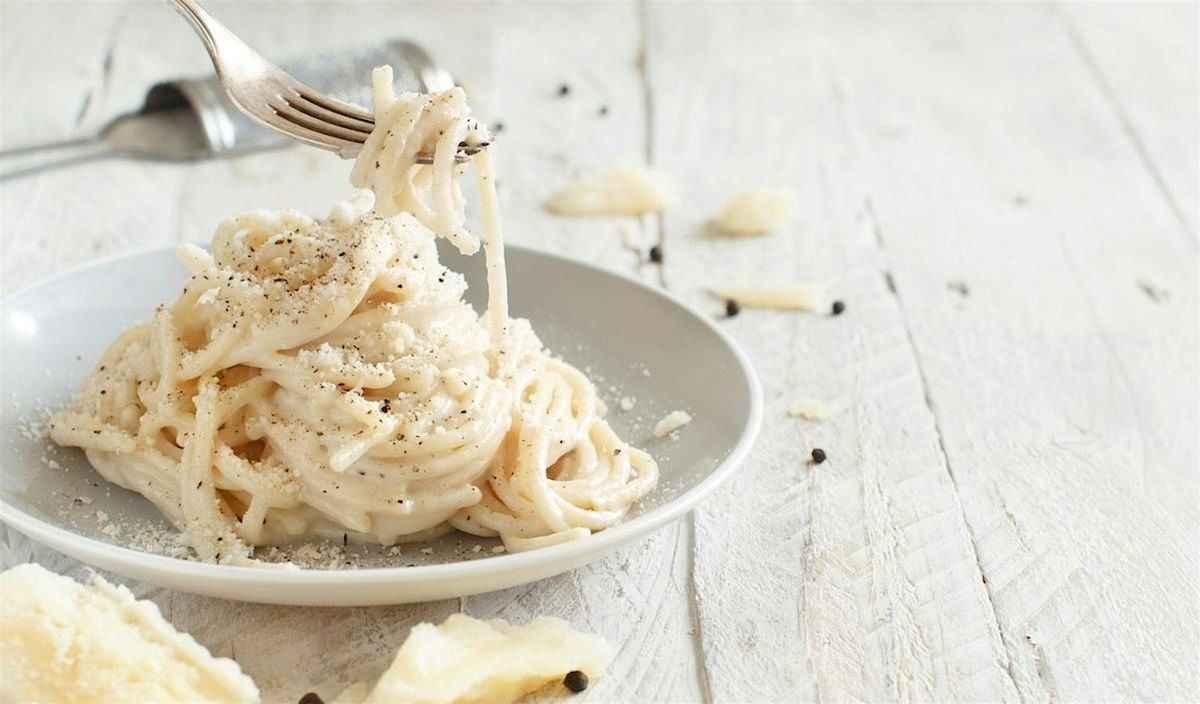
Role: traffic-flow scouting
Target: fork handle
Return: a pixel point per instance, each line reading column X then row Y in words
column 204, row 25
column 39, row 157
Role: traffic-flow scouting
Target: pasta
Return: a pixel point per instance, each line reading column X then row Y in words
column 325, row 379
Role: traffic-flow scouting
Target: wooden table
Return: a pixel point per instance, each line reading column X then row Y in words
column 1006, row 198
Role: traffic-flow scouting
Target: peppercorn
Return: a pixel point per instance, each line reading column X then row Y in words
column 564, row 89
column 311, row 698
column 656, row 254
column 839, row 307
column 732, row 308
column 576, row 681
column 818, row 455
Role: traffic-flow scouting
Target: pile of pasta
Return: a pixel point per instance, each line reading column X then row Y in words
column 326, row 379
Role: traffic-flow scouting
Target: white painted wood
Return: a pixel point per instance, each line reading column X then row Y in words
column 1065, row 396
column 1009, row 510
column 856, row 578
column 1146, row 69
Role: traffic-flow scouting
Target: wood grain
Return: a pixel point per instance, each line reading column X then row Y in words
column 1004, row 195
column 1146, row 71
column 855, row 579
column 1063, row 391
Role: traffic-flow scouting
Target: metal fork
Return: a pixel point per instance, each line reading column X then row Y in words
column 274, row 98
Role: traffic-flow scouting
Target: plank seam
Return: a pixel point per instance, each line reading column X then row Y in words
column 694, row 607
column 97, row 95
column 643, row 62
column 1079, row 44
column 937, row 429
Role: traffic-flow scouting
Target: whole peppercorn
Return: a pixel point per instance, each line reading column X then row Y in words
column 839, row 307
column 818, row 455
column 732, row 308
column 576, row 681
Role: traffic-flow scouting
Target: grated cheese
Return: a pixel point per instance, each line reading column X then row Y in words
column 805, row 297
column 621, row 192
column 755, row 212
column 810, row 409
column 671, row 422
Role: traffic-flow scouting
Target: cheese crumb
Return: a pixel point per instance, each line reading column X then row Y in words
column 626, row 404
column 671, row 422
column 621, row 192
column 755, row 212
column 209, row 296
column 805, row 297
column 810, row 409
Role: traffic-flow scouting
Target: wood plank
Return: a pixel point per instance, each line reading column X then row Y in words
column 1065, row 395
column 855, row 579
column 638, row 597
column 52, row 66
column 1142, row 60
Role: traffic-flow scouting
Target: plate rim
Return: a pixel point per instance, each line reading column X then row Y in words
column 598, row 543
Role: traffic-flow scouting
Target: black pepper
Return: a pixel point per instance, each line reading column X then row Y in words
column 311, row 698
column 656, row 254
column 732, row 308
column 818, row 455
column 603, row 110
column 576, row 681
column 564, row 89
column 838, row 308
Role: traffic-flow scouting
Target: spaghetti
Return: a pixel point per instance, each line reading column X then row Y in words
column 321, row 379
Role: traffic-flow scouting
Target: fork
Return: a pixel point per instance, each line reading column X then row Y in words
column 271, row 96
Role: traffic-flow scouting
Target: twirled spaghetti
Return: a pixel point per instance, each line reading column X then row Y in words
column 325, row 378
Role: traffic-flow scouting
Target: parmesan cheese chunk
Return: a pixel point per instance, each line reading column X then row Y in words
column 755, row 212
column 468, row 660
column 671, row 422
column 806, row 297
column 810, row 409
column 68, row 642
column 621, row 192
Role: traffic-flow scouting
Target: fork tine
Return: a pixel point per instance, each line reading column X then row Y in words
column 299, row 102
column 284, row 109
column 335, row 106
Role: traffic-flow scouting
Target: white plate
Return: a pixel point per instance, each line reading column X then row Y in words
column 633, row 340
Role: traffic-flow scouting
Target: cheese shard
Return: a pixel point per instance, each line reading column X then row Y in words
column 755, row 212
column 621, row 192
column 810, row 409
column 466, row 660
column 671, row 422
column 805, row 297
column 67, row 642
